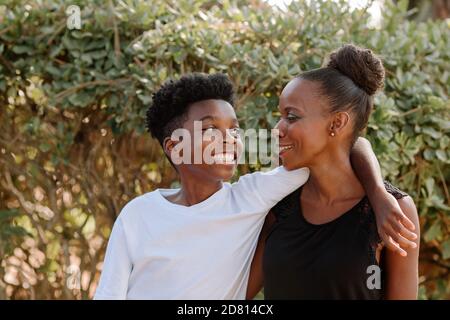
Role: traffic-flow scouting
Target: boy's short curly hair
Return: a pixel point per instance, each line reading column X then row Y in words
column 171, row 102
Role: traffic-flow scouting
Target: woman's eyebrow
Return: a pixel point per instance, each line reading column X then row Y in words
column 297, row 108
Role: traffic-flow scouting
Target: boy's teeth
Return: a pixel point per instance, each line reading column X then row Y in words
column 224, row 158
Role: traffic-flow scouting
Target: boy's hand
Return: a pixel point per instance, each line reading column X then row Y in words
column 392, row 223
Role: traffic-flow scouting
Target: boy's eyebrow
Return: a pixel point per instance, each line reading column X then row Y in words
column 234, row 120
column 207, row 118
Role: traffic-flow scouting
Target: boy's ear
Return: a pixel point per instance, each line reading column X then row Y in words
column 339, row 121
column 168, row 145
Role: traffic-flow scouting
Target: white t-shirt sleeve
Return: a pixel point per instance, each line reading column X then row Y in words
column 265, row 189
column 117, row 267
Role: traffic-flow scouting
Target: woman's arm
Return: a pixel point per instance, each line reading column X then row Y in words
column 391, row 220
column 256, row 278
column 402, row 275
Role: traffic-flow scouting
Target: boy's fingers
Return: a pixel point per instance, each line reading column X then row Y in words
column 403, row 242
column 405, row 220
column 391, row 245
column 402, row 230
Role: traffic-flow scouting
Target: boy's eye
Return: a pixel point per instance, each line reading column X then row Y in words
column 235, row 132
column 212, row 131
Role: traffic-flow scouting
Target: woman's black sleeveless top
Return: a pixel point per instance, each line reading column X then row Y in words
column 335, row 260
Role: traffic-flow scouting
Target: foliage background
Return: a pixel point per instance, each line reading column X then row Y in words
column 73, row 147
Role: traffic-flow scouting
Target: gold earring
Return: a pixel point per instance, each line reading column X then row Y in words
column 332, row 134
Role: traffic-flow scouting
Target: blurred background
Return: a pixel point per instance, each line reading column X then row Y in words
column 73, row 146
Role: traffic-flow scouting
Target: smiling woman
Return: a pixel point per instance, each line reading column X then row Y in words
column 322, row 240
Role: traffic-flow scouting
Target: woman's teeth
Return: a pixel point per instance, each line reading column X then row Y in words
column 284, row 148
column 224, row 158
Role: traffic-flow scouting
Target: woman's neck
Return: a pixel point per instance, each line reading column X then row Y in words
column 194, row 189
column 332, row 179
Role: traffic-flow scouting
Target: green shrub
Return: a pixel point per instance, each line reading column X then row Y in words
column 72, row 106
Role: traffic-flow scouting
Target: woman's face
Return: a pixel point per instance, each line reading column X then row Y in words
column 304, row 127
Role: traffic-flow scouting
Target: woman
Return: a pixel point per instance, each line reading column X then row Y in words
column 321, row 241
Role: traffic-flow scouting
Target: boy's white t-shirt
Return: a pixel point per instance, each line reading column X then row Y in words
column 161, row 250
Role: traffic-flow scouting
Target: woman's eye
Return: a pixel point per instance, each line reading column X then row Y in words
column 292, row 117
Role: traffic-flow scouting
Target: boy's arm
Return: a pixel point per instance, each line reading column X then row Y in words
column 256, row 277
column 117, row 266
column 391, row 220
column 402, row 273
column 260, row 191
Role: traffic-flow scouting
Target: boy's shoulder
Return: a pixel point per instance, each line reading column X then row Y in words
column 280, row 173
column 138, row 205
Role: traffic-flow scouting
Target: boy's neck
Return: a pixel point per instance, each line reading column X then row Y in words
column 194, row 190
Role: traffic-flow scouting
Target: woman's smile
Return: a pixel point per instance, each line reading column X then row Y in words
column 285, row 148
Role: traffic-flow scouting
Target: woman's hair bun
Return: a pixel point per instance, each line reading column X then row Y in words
column 361, row 65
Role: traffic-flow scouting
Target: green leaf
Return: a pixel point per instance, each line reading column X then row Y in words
column 430, row 185
column 13, row 231
column 44, row 147
column 146, row 100
column 98, row 54
column 441, row 155
column 446, row 249
column 53, row 70
column 7, row 214
column 432, row 132
column 428, row 154
column 81, row 99
column 21, row 49
column 434, row 232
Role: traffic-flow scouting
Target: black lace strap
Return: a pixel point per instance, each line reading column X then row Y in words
column 396, row 192
column 368, row 219
column 291, row 203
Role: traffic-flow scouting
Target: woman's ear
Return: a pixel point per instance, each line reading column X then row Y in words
column 339, row 122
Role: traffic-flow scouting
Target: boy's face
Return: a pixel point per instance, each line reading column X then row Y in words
column 206, row 121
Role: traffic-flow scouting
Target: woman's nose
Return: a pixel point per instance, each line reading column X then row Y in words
column 281, row 126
